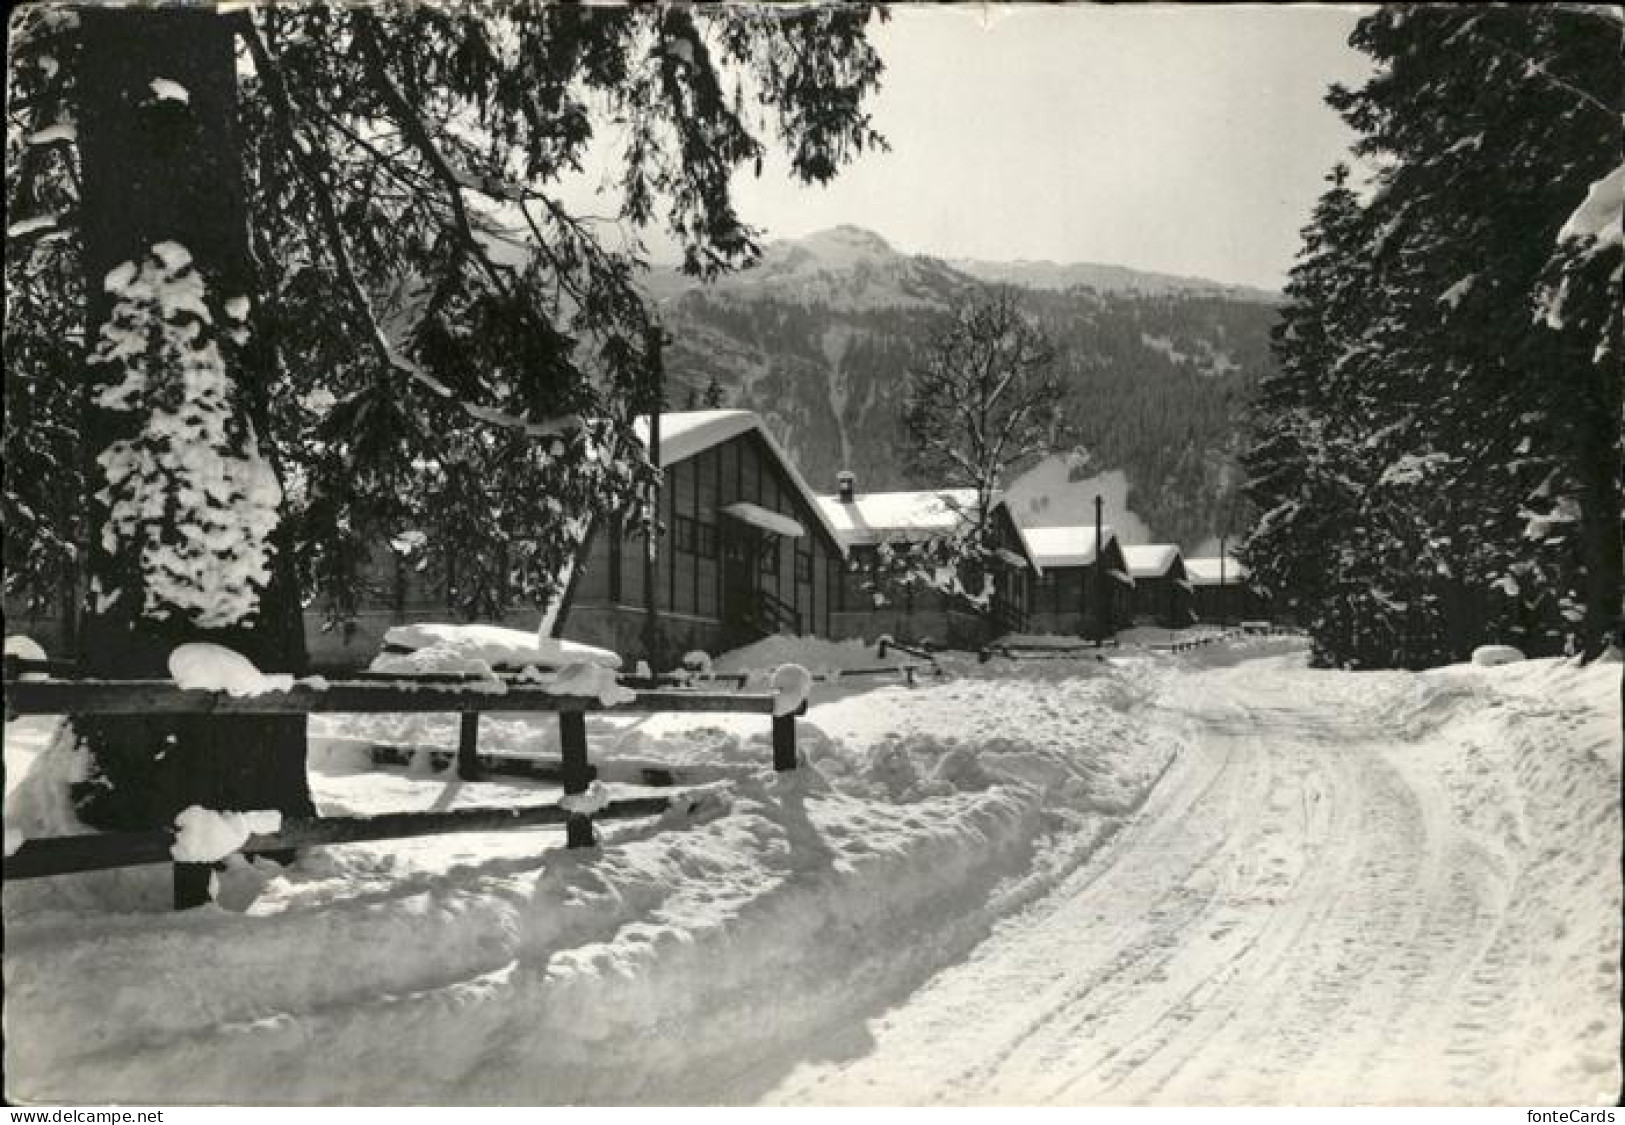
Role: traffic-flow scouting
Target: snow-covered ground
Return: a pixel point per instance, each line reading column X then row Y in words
column 1209, row 877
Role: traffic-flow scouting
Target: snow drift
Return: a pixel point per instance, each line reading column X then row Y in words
column 503, row 968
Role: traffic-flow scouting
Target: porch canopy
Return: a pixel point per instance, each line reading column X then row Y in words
column 760, row 517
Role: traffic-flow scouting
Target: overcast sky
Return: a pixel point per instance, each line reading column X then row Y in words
column 1175, row 138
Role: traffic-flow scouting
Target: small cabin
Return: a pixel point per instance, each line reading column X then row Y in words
column 746, row 552
column 869, row 524
column 1083, row 589
column 1220, row 590
column 1162, row 591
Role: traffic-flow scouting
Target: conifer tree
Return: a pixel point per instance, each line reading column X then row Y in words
column 1472, row 429
column 332, row 295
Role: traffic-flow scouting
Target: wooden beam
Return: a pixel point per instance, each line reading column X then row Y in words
column 101, row 851
column 16, row 666
column 151, row 697
column 577, row 775
column 468, row 746
column 191, row 884
column 784, row 742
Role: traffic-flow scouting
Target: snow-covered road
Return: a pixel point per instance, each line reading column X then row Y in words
column 1213, row 878
column 1321, row 902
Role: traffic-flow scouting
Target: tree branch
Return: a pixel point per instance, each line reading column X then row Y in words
column 417, row 134
column 326, row 212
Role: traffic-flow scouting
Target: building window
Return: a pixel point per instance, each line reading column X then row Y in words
column 804, row 567
column 770, row 556
column 684, row 537
column 707, row 540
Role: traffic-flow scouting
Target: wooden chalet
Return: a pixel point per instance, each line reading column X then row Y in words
column 744, row 552
column 1077, row 592
column 747, row 550
column 1221, row 592
column 1162, row 591
column 868, row 523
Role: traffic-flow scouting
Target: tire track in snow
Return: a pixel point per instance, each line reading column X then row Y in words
column 1293, row 915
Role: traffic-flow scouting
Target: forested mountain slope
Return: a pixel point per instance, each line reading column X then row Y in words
column 819, row 336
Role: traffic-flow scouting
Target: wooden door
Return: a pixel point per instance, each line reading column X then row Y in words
column 739, row 548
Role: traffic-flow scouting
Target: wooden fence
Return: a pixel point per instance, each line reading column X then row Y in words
column 375, row 695
column 1245, row 629
column 1043, row 651
column 922, row 652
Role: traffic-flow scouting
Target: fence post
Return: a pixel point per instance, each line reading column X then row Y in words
column 468, row 739
column 577, row 774
column 192, row 884
column 784, row 742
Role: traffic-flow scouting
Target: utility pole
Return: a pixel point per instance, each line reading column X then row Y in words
column 1100, row 573
column 654, row 342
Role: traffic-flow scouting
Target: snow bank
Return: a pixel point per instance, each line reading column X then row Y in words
column 502, row 968
column 204, row 835
column 1531, row 752
column 816, row 654
column 492, row 646
column 208, row 667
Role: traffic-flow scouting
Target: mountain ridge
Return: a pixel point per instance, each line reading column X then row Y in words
column 848, row 246
column 819, row 336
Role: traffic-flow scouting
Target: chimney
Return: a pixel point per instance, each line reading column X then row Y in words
column 845, row 483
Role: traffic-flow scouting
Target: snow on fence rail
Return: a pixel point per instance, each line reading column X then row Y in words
column 1043, row 651
column 1246, row 629
column 469, row 766
column 103, row 851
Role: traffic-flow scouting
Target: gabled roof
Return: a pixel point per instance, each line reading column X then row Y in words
column 1065, row 546
column 1152, row 560
column 685, row 433
column 879, row 517
column 1205, row 572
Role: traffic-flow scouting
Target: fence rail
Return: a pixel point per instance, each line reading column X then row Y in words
column 1245, row 629
column 103, row 851
column 161, row 697
column 1043, row 652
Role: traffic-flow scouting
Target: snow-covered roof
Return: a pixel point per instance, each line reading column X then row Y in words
column 1151, row 560
column 1205, row 572
column 684, row 433
column 876, row 517
column 1065, row 546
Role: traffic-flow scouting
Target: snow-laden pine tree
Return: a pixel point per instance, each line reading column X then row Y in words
column 1477, row 436
column 1291, row 466
column 334, row 295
